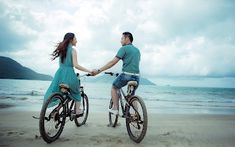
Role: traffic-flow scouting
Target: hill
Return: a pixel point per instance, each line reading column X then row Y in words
column 10, row 69
column 109, row 79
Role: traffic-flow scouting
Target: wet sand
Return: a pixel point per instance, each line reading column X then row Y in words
column 19, row 128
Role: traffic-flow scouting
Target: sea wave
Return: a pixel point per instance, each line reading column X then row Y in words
column 26, row 93
column 13, row 98
column 197, row 101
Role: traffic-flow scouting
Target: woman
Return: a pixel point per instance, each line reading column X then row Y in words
column 65, row 74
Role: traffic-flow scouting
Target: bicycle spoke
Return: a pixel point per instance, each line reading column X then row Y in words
column 137, row 120
column 52, row 118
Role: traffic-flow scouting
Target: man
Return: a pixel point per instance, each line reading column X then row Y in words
column 130, row 55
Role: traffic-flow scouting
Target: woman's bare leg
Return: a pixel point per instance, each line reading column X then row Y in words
column 77, row 107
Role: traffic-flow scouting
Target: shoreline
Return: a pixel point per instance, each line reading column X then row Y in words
column 183, row 130
column 9, row 107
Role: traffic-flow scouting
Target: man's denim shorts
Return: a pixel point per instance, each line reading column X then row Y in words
column 123, row 79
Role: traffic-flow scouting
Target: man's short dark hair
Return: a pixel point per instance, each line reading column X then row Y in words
column 129, row 35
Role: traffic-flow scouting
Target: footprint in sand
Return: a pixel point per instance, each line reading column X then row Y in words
column 172, row 139
column 11, row 133
column 96, row 139
column 64, row 139
column 38, row 137
column 21, row 133
column 168, row 133
column 118, row 124
column 14, row 133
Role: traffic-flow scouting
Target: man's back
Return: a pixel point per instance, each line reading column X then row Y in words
column 131, row 58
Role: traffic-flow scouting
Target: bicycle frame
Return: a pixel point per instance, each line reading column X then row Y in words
column 121, row 94
column 67, row 98
column 126, row 97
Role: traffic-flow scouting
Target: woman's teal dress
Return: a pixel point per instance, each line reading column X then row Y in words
column 66, row 75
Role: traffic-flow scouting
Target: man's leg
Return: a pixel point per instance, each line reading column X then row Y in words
column 115, row 98
column 117, row 83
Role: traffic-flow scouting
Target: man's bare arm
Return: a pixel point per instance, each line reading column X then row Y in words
column 109, row 64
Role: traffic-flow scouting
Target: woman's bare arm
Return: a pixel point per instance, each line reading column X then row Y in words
column 75, row 62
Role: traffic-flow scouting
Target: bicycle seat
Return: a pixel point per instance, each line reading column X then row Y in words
column 131, row 87
column 64, row 87
column 132, row 83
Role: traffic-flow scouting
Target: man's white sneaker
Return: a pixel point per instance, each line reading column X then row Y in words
column 115, row 112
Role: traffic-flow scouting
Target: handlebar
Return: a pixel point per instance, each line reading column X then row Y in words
column 111, row 73
column 84, row 75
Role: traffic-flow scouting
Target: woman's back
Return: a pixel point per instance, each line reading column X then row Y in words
column 68, row 61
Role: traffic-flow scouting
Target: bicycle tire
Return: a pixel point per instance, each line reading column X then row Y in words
column 113, row 119
column 139, row 138
column 46, row 135
column 82, row 120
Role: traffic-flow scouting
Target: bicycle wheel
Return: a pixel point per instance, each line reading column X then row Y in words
column 85, row 107
column 52, row 118
column 113, row 119
column 137, row 120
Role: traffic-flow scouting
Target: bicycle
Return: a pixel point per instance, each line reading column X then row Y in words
column 57, row 108
column 133, row 110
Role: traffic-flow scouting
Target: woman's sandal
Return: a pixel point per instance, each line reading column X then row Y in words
column 78, row 115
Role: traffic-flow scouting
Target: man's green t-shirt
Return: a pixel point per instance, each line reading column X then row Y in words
column 130, row 56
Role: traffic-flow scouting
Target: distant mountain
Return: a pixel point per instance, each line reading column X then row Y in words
column 109, row 79
column 10, row 69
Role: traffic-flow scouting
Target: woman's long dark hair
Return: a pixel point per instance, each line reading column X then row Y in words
column 61, row 47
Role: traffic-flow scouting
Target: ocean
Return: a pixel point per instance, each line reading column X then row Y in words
column 25, row 95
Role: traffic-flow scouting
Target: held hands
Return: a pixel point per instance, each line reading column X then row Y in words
column 94, row 72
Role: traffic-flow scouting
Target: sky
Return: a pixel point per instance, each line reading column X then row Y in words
column 180, row 38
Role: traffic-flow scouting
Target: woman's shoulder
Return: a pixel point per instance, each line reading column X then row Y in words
column 74, row 47
column 73, row 50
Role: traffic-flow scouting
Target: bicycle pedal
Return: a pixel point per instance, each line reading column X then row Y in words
column 117, row 115
column 74, row 116
column 123, row 116
column 35, row 117
column 71, row 118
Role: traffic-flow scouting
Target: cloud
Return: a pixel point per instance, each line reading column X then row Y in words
column 190, row 57
column 17, row 28
column 176, row 38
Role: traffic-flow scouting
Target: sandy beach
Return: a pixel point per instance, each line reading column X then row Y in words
column 164, row 130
